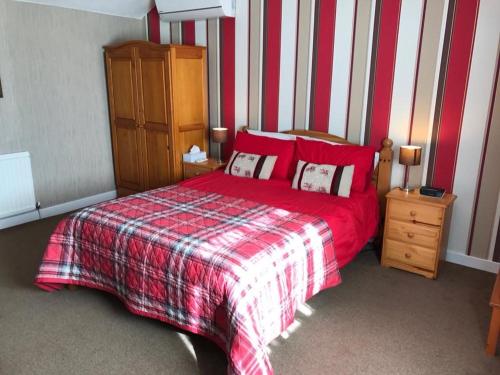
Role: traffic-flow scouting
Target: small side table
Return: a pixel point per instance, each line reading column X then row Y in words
column 415, row 231
column 198, row 169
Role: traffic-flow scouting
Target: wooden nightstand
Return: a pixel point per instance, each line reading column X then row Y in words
column 197, row 169
column 416, row 231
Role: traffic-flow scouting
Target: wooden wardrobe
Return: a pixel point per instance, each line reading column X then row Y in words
column 158, row 109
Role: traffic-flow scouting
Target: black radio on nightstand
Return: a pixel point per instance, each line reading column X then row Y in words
column 432, row 191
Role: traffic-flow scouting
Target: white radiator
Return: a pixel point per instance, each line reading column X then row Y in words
column 17, row 194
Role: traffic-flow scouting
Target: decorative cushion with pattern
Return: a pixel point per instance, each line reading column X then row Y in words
column 324, row 178
column 247, row 165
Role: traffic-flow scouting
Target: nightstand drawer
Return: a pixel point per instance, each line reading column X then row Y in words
column 198, row 169
column 415, row 213
column 190, row 171
column 418, row 234
column 410, row 254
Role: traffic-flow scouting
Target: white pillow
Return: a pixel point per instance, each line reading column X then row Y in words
column 251, row 165
column 376, row 159
column 286, row 137
column 320, row 140
column 323, row 178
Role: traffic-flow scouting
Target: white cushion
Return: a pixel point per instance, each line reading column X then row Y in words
column 323, row 178
column 251, row 165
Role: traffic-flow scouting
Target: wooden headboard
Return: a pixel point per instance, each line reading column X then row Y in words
column 381, row 178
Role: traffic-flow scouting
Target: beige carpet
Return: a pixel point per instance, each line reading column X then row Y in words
column 378, row 321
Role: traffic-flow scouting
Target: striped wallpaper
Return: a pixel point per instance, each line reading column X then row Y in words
column 423, row 72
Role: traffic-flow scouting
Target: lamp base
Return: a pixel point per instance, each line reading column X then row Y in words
column 219, row 155
column 406, row 189
column 406, row 186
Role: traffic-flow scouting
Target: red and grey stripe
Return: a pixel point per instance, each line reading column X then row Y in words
column 383, row 74
column 321, row 79
column 271, row 65
column 446, row 134
column 227, row 80
column 154, row 26
column 188, row 33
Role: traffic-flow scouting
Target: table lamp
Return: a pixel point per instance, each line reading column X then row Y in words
column 408, row 156
column 219, row 136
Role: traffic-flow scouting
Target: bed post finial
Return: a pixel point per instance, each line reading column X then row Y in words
column 387, row 143
column 384, row 172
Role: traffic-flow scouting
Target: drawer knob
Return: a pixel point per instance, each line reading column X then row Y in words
column 410, row 235
column 413, row 213
column 407, row 255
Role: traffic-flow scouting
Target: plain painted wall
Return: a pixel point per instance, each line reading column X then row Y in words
column 55, row 104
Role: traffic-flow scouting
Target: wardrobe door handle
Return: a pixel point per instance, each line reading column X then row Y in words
column 410, row 235
column 407, row 255
column 413, row 213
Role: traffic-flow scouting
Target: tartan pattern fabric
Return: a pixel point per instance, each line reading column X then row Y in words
column 227, row 268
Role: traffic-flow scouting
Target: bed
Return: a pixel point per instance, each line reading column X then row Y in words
column 225, row 257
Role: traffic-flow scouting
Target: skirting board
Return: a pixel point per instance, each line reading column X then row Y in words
column 12, row 221
column 58, row 209
column 456, row 257
column 62, row 208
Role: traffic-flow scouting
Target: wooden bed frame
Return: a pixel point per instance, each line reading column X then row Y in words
column 381, row 178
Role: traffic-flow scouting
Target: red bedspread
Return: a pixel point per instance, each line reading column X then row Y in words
column 353, row 220
column 228, row 268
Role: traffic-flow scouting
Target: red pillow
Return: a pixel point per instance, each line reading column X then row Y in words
column 323, row 153
column 283, row 149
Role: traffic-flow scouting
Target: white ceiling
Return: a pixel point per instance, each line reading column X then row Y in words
column 123, row 8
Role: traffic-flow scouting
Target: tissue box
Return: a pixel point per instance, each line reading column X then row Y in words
column 193, row 157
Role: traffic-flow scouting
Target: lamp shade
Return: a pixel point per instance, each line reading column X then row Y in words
column 219, row 135
column 410, row 155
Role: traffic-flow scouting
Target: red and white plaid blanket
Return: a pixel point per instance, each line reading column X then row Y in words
column 230, row 269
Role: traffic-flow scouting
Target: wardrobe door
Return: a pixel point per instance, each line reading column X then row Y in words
column 189, row 93
column 152, row 73
column 124, row 113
